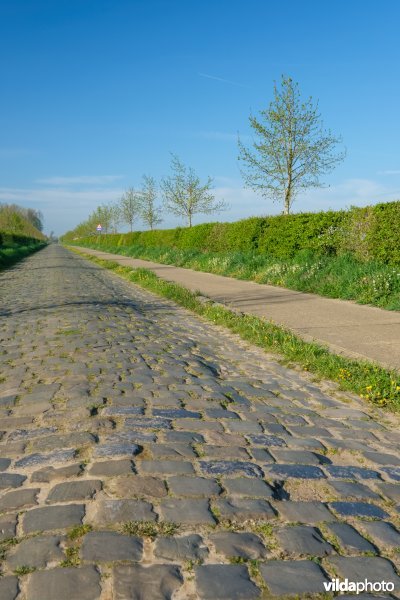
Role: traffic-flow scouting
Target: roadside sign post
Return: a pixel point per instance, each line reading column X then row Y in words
column 99, row 228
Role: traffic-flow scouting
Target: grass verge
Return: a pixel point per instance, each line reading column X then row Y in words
column 341, row 276
column 370, row 381
column 11, row 255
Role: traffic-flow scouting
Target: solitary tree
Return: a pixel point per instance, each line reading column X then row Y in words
column 292, row 149
column 184, row 195
column 129, row 206
column 149, row 212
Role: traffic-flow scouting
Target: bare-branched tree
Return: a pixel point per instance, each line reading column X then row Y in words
column 129, row 207
column 149, row 212
column 292, row 149
column 185, row 196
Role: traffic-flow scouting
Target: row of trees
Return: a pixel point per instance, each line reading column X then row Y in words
column 290, row 153
column 182, row 194
column 18, row 220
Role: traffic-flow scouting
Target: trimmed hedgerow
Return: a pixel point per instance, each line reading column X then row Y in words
column 369, row 233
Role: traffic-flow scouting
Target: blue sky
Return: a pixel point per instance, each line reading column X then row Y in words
column 96, row 93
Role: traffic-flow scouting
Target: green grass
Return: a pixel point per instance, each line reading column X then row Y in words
column 149, row 529
column 370, row 381
column 11, row 255
column 342, row 276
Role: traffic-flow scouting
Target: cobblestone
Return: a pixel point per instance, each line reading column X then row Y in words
column 123, row 413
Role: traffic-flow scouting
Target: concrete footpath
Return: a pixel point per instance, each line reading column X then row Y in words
column 351, row 329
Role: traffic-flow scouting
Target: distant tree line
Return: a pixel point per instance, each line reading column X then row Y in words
column 13, row 218
column 181, row 194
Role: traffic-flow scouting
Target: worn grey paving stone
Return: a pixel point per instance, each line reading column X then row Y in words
column 169, row 451
column 263, row 439
column 166, row 467
column 74, row 490
column 132, row 486
column 242, row 486
column 243, row 509
column 39, row 459
column 8, row 524
column 350, row 539
column 108, row 546
column 123, row 410
column 300, row 457
column 108, row 512
column 301, row 540
column 184, row 437
column 18, row 499
column 225, row 452
column 349, row 489
column 53, row 517
column 358, row 509
column 186, row 547
column 35, row 552
column 227, row 467
column 81, row 583
column 296, row 471
column 293, row 577
column 49, row 474
column 121, row 449
column 176, row 413
column 137, row 582
column 193, row 486
column 392, row 472
column 148, row 423
column 383, row 534
column 29, row 433
column 11, row 480
column 391, row 490
column 111, row 468
column 4, row 464
column 9, row 588
column 304, row 512
column 225, row 582
column 380, row 458
column 67, row 440
column 243, row 545
column 189, row 511
column 342, row 472
column 359, row 568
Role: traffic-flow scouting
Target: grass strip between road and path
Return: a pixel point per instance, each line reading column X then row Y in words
column 370, row 381
column 12, row 254
column 343, row 276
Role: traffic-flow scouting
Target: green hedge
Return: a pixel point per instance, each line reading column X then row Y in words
column 13, row 240
column 370, row 233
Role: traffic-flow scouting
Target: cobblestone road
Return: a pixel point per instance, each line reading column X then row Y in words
column 146, row 454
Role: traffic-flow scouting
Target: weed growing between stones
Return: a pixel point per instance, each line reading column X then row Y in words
column 149, row 529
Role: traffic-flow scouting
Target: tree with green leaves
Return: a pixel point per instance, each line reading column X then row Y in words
column 149, row 211
column 292, row 149
column 185, row 196
column 129, row 207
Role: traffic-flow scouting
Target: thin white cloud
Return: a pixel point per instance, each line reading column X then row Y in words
column 80, row 180
column 221, row 79
column 389, row 172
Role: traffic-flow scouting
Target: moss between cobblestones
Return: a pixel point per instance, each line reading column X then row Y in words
column 370, row 381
